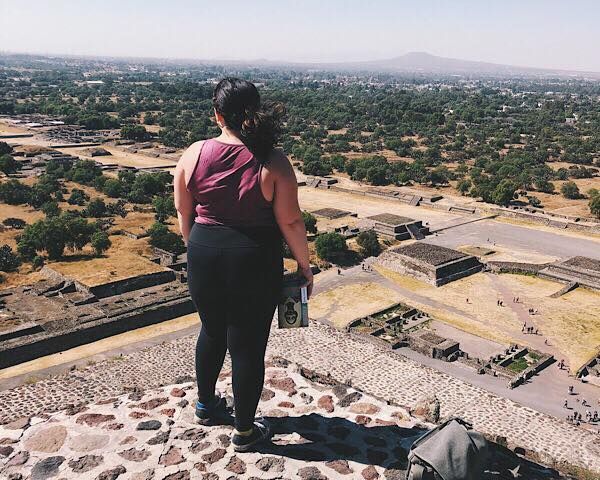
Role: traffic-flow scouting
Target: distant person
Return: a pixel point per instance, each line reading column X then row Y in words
column 236, row 196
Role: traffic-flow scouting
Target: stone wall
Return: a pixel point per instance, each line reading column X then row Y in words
column 133, row 283
column 47, row 343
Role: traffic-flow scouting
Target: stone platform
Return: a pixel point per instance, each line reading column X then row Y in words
column 430, row 263
column 348, row 358
column 321, row 431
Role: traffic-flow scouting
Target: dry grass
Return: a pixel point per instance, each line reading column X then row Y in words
column 124, row 259
column 343, row 304
column 480, row 316
column 571, row 323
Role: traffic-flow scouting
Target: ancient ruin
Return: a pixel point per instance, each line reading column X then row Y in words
column 60, row 313
column 398, row 227
column 430, row 263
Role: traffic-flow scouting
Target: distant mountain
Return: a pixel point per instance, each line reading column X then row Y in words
column 425, row 63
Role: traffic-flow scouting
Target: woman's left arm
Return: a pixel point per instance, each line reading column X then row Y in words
column 184, row 201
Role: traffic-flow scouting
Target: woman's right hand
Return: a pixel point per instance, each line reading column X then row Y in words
column 306, row 272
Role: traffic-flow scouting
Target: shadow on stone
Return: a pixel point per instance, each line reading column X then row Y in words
column 330, row 439
column 337, row 440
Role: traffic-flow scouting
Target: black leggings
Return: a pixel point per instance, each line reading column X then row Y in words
column 234, row 277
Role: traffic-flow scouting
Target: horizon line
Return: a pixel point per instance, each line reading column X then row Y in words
column 286, row 62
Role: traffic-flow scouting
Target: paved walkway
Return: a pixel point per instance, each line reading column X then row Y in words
column 347, row 358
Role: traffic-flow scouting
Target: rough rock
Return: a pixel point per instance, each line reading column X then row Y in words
column 112, row 474
column 88, row 441
column 47, row 440
column 350, row 398
column 172, row 457
column 427, row 409
column 236, row 465
column 135, row 455
column 311, row 473
column 340, row 466
column 46, row 468
column 18, row 459
column 85, row 463
column 370, row 473
column 94, row 419
column 364, row 408
column 153, row 403
column 149, row 425
column 326, row 403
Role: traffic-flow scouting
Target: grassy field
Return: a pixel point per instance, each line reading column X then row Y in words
column 344, row 304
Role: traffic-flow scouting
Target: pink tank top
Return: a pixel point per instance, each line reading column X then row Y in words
column 226, row 187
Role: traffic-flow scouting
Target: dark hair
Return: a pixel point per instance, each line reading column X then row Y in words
column 259, row 124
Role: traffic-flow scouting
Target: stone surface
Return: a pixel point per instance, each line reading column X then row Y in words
column 85, row 463
column 427, row 409
column 46, row 468
column 149, row 425
column 319, row 439
column 88, row 441
column 47, row 440
column 326, row 403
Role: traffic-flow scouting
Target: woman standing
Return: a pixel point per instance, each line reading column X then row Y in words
column 236, row 196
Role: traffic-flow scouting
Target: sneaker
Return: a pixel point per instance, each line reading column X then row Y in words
column 260, row 432
column 212, row 414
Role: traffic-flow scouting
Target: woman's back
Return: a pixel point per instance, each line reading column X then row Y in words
column 226, row 186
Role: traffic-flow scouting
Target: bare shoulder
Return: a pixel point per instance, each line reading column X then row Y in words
column 189, row 156
column 279, row 164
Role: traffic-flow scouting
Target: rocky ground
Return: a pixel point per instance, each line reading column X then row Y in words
column 322, row 431
column 384, row 377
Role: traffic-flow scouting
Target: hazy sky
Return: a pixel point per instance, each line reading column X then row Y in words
column 541, row 33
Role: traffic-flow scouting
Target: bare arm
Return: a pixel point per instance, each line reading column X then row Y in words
column 184, row 201
column 288, row 215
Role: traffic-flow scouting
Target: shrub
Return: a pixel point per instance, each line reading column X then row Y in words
column 163, row 238
column 330, row 245
column 78, row 197
column 100, row 242
column 164, row 207
column 368, row 243
column 16, row 223
column 8, row 164
column 9, row 261
column 570, row 190
column 310, row 222
column 14, row 192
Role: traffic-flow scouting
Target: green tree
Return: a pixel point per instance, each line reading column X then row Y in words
column 100, row 242
column 463, row 186
column 16, row 223
column 113, row 188
column 570, row 190
column 594, row 202
column 78, row 197
column 96, row 208
column 9, row 261
column 368, row 243
column 51, row 209
column 5, row 148
column 310, row 222
column 163, row 238
column 545, row 186
column 504, row 192
column 14, row 192
column 8, row 164
column 164, row 207
column 330, row 245
column 534, row 201
column 134, row 132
